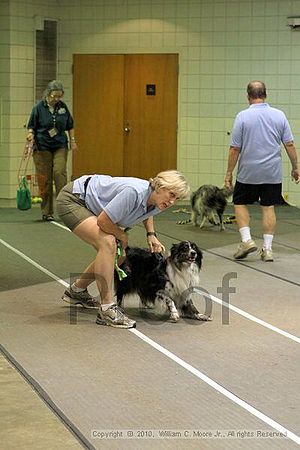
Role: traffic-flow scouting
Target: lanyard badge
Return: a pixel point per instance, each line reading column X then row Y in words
column 53, row 132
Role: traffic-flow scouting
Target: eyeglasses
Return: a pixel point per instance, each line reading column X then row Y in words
column 57, row 97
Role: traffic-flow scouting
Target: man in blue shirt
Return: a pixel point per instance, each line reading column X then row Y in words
column 257, row 135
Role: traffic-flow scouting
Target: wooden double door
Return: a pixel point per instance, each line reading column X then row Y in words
column 125, row 112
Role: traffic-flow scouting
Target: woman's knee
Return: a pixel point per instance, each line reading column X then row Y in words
column 88, row 231
column 107, row 244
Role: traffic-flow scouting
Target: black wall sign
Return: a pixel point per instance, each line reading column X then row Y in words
column 150, row 89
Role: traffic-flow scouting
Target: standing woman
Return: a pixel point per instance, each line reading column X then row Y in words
column 49, row 121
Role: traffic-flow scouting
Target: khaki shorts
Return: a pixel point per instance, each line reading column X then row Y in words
column 70, row 208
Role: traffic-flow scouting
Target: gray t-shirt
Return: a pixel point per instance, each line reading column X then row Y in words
column 124, row 199
column 259, row 131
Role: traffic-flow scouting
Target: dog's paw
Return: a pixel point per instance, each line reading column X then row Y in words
column 203, row 317
column 174, row 317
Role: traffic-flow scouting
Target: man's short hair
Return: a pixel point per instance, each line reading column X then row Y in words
column 256, row 89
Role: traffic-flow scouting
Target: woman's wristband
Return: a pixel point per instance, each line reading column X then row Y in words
column 151, row 233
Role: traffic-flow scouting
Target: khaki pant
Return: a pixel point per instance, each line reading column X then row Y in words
column 70, row 208
column 50, row 166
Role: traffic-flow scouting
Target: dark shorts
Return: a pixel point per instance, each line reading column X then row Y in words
column 70, row 208
column 265, row 194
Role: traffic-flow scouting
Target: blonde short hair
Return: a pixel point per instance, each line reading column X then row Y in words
column 172, row 180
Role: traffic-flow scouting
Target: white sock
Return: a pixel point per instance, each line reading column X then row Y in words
column 268, row 239
column 76, row 289
column 106, row 306
column 245, row 234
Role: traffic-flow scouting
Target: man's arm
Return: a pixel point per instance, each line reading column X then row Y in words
column 292, row 154
column 233, row 157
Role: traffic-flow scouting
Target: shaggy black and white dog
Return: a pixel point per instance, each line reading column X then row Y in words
column 170, row 280
column 209, row 202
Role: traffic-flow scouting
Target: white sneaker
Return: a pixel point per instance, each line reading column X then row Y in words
column 266, row 255
column 244, row 249
column 82, row 298
column 114, row 317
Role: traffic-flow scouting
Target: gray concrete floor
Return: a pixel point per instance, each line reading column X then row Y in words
column 59, row 380
column 26, row 421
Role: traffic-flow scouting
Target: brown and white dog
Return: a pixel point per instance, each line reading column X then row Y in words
column 170, row 280
column 209, row 202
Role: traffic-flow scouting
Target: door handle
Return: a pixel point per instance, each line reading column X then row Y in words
column 127, row 128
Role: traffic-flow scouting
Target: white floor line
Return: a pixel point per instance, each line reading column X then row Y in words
column 60, row 225
column 233, row 308
column 178, row 360
column 248, row 316
column 255, row 412
column 42, row 269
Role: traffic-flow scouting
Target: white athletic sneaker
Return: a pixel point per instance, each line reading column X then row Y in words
column 80, row 299
column 244, row 249
column 114, row 317
column 266, row 255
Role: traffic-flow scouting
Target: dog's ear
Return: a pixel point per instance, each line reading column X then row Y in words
column 199, row 255
column 172, row 250
column 199, row 259
column 174, row 247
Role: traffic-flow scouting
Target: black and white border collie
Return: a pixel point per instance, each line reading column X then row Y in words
column 170, row 280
